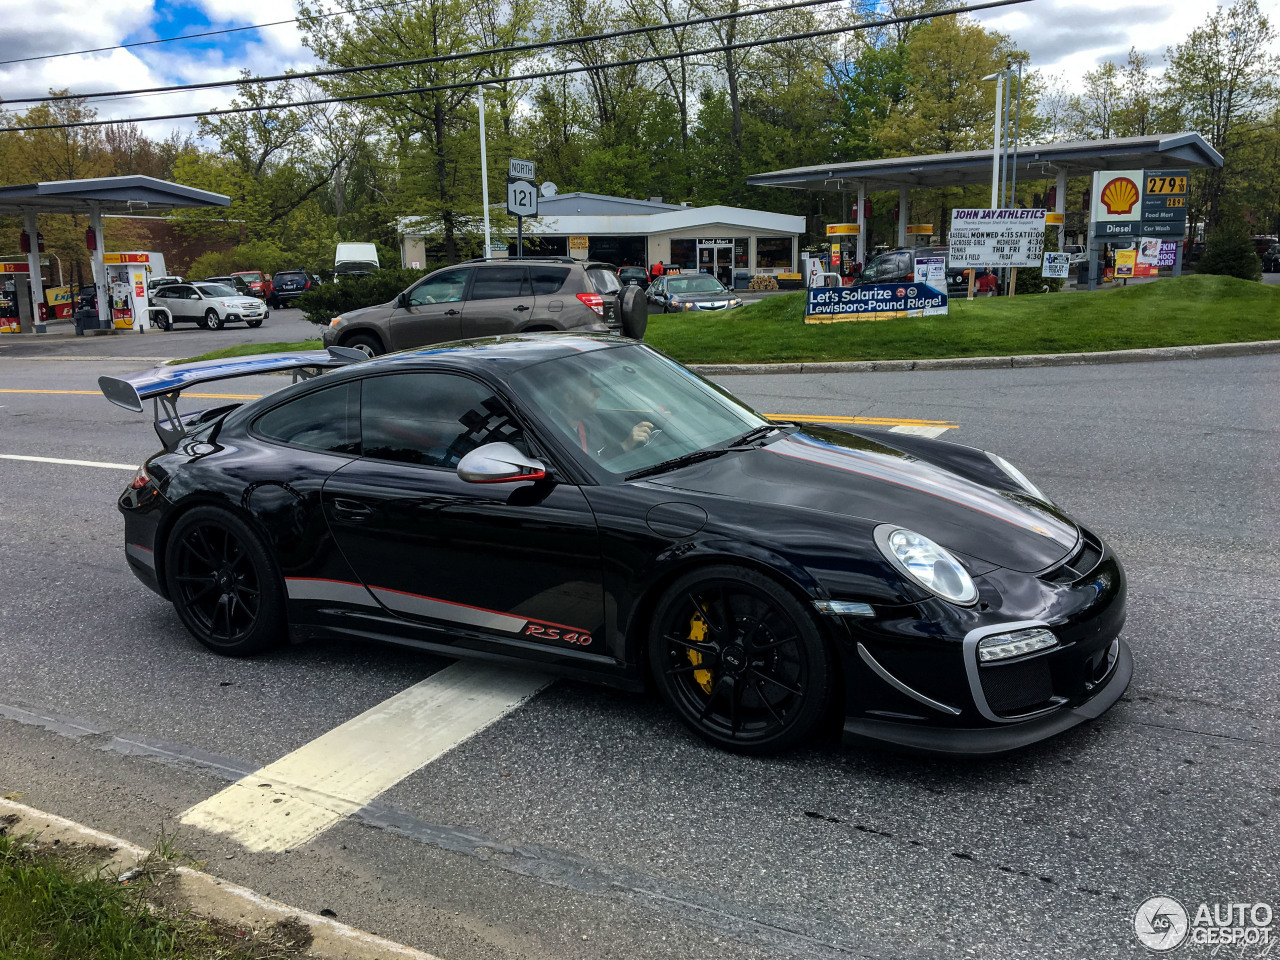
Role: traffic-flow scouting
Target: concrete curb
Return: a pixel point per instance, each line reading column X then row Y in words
column 1200, row 352
column 210, row 897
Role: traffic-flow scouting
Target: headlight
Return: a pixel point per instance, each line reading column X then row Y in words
column 735, row 302
column 926, row 563
column 1018, row 477
column 335, row 321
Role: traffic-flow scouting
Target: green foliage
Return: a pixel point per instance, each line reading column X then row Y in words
column 259, row 255
column 321, row 304
column 1230, row 251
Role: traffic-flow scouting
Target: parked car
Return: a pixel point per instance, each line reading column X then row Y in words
column 678, row 293
column 210, row 305
column 290, row 284
column 635, row 277
column 1077, row 251
column 240, row 284
column 155, row 283
column 898, row 266
column 481, row 298
column 260, row 286
column 1271, row 259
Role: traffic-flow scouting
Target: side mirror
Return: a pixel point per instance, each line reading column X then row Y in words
column 499, row 463
column 402, row 300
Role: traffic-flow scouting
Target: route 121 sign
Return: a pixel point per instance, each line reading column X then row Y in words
column 522, row 198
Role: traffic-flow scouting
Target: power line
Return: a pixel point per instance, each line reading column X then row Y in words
column 420, row 61
column 540, row 75
column 207, row 33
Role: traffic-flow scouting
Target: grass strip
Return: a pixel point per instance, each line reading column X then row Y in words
column 1167, row 313
column 51, row 909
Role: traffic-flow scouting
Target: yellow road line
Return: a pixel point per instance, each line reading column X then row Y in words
column 807, row 417
column 866, row 421
column 301, row 795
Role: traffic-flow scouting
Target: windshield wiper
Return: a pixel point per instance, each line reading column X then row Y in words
column 751, row 436
column 696, row 456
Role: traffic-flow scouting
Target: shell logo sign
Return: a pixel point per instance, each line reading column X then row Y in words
column 1119, row 196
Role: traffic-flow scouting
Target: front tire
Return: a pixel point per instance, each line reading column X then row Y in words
column 224, row 584
column 211, row 320
column 740, row 660
column 253, row 323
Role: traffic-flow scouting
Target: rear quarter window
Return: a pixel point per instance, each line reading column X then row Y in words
column 326, row 420
column 547, row 280
column 603, row 280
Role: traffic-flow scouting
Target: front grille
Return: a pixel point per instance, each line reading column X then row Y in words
column 1081, row 563
column 1018, row 687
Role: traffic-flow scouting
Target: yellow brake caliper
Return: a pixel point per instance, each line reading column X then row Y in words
column 698, row 634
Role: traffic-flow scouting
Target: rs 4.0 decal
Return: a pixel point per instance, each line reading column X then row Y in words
column 544, row 632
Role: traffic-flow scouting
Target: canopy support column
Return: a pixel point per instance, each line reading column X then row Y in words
column 902, row 216
column 1060, row 206
column 100, row 269
column 862, row 224
column 33, row 269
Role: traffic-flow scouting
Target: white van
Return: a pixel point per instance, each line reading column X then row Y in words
column 355, row 259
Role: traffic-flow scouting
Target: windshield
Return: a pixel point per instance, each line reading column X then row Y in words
column 216, row 290
column 252, row 276
column 594, row 402
column 698, row 284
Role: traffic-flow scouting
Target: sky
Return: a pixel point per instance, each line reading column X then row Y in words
column 1064, row 37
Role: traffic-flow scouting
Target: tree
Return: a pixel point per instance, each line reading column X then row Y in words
column 1229, row 250
column 1220, row 83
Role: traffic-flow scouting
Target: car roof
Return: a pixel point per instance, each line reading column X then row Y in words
column 496, row 355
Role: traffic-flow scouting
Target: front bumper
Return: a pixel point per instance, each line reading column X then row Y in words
column 986, row 741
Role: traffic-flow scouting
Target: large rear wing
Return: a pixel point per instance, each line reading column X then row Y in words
column 165, row 384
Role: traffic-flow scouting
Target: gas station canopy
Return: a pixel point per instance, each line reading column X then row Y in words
column 1035, row 162
column 95, row 196
column 107, row 194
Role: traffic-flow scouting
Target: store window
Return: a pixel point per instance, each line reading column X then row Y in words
column 773, row 253
column 684, row 254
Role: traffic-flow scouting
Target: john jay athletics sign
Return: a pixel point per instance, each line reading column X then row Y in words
column 996, row 238
column 873, row 301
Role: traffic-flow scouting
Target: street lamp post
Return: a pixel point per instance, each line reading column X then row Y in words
column 998, row 77
column 484, row 173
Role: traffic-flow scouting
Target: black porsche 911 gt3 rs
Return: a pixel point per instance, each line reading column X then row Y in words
column 589, row 507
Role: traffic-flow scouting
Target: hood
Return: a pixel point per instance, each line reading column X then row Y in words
column 375, row 312
column 862, row 478
column 703, row 297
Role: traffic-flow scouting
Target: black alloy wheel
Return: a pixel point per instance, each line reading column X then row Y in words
column 223, row 583
column 740, row 660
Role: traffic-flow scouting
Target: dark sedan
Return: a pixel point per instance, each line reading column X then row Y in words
column 680, row 293
column 587, row 506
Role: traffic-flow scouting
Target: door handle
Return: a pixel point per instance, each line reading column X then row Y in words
column 351, row 509
column 521, row 308
column 452, row 313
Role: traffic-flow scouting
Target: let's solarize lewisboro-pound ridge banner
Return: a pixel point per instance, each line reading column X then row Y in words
column 874, row 301
column 996, row 238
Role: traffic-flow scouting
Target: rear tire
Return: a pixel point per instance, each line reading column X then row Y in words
column 364, row 343
column 635, row 313
column 224, row 584
column 211, row 320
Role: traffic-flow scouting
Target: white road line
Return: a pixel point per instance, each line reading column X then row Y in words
column 301, row 795
column 131, row 467
column 916, row 431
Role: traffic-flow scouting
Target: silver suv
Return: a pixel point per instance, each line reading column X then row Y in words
column 482, row 298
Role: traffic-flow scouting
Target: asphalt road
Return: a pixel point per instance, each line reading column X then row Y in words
column 589, row 824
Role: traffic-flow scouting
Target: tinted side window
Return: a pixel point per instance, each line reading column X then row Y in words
column 445, row 287
column 433, row 419
column 324, row 420
column 548, row 279
column 494, row 283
